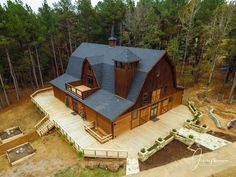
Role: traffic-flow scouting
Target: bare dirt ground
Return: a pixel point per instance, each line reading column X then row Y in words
column 204, row 97
column 231, row 172
column 52, row 154
column 24, row 114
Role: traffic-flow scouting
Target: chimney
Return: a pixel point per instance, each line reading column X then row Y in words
column 112, row 39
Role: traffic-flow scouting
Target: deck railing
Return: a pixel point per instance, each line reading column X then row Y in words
column 77, row 92
column 106, row 153
column 102, row 153
column 103, row 139
column 46, row 115
column 74, row 90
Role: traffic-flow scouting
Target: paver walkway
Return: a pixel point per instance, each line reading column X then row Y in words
column 198, row 166
column 204, row 139
column 132, row 166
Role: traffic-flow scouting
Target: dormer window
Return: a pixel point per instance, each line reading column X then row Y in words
column 119, row 64
column 158, row 72
column 89, row 81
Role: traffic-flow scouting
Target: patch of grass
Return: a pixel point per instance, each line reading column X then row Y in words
column 72, row 144
column 98, row 172
column 80, row 154
column 78, row 171
column 63, row 137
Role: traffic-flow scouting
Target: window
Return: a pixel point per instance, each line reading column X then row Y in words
column 165, row 91
column 134, row 115
column 158, row 72
column 170, row 99
column 89, row 81
column 89, row 69
column 130, row 65
column 119, row 64
column 156, row 95
column 145, row 98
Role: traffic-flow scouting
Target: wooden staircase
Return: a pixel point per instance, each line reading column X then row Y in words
column 44, row 126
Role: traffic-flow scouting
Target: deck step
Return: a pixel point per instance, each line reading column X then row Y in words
column 45, row 127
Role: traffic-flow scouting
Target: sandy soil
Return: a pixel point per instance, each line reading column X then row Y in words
column 203, row 97
column 52, row 155
column 25, row 115
column 231, row 172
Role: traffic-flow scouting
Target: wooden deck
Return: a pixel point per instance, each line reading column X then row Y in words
column 132, row 140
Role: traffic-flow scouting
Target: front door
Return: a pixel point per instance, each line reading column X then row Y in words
column 75, row 105
column 154, row 111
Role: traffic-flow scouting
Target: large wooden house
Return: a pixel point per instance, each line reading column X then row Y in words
column 117, row 88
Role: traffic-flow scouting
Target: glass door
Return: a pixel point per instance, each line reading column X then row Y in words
column 153, row 111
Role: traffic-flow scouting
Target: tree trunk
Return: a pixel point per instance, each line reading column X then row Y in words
column 230, row 99
column 33, row 68
column 1, row 103
column 60, row 59
column 39, row 66
column 121, row 32
column 54, row 56
column 69, row 36
column 13, row 75
column 213, row 67
column 4, row 91
column 185, row 56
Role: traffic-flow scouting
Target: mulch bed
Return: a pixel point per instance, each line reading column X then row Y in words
column 227, row 137
column 171, row 152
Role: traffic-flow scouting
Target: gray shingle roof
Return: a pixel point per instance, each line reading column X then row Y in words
column 127, row 56
column 101, row 58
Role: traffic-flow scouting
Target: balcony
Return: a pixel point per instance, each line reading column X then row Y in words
column 78, row 89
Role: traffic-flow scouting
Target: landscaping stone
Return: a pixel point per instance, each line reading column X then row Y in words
column 92, row 165
column 103, row 165
column 113, row 167
column 204, row 139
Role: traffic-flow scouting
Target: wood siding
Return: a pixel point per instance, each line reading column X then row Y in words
column 59, row 94
column 70, row 102
column 144, row 115
column 122, row 125
column 166, row 82
column 124, row 78
column 88, row 71
column 100, row 121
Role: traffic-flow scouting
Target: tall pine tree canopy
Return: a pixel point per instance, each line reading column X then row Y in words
column 199, row 35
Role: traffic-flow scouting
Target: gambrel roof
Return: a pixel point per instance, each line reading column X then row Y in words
column 101, row 57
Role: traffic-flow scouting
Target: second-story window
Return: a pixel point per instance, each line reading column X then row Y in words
column 145, row 98
column 158, row 72
column 119, row 64
column 89, row 70
column 89, row 81
column 165, row 91
column 134, row 114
